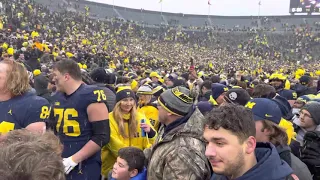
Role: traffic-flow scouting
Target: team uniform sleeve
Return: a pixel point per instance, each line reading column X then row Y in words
column 95, row 95
column 38, row 111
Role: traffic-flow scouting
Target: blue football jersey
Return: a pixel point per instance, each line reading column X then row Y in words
column 21, row 111
column 72, row 124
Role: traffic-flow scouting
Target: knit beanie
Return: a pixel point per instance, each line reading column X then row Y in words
column 314, row 109
column 176, row 100
column 99, row 75
column 124, row 93
column 304, row 80
column 237, row 96
column 217, row 89
column 145, row 89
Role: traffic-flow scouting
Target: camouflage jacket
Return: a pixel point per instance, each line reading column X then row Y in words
column 180, row 154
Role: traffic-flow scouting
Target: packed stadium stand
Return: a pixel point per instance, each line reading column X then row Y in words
column 103, row 11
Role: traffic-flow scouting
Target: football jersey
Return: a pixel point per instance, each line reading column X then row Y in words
column 72, row 123
column 21, row 111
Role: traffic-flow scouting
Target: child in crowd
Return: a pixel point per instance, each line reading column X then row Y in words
column 130, row 165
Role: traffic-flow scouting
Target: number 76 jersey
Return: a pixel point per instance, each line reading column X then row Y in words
column 70, row 112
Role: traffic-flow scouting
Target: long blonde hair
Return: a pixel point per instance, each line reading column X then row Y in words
column 118, row 116
column 17, row 78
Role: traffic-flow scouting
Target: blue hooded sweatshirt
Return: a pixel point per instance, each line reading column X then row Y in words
column 141, row 176
column 269, row 166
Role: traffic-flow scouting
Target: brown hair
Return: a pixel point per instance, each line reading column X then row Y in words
column 17, row 82
column 234, row 118
column 23, row 135
column 30, row 158
column 278, row 136
column 264, row 91
column 134, row 157
column 118, row 116
column 69, row 66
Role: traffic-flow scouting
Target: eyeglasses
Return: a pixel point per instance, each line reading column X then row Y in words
column 304, row 114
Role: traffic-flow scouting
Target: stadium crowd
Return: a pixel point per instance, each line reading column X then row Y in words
column 82, row 98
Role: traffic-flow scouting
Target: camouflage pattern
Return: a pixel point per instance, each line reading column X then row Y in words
column 181, row 153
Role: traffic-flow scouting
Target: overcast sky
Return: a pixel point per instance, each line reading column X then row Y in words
column 218, row 7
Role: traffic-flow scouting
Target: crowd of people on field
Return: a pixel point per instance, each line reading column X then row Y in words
column 82, row 98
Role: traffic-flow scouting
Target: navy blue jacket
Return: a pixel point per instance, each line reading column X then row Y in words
column 269, row 166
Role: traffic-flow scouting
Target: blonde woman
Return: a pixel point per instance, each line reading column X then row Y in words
column 127, row 128
column 146, row 106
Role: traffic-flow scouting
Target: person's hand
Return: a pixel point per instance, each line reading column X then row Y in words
column 69, row 164
column 145, row 127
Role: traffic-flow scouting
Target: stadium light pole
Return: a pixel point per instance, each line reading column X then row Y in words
column 259, row 9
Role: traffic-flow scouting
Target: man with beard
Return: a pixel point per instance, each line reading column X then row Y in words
column 278, row 81
column 233, row 151
column 178, row 152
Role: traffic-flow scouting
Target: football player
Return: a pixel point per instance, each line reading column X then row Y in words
column 19, row 108
column 82, row 121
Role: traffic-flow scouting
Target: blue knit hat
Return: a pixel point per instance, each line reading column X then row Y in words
column 217, row 89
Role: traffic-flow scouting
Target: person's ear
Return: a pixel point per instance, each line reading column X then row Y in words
column 250, row 145
column 133, row 173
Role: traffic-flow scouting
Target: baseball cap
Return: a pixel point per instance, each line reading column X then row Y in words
column 265, row 109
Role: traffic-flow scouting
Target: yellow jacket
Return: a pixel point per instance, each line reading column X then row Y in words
column 151, row 113
column 109, row 152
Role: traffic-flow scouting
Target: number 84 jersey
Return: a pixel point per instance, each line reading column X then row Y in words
column 21, row 111
column 70, row 113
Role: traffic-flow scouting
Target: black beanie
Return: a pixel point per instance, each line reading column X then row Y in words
column 99, row 75
column 125, row 93
column 238, row 96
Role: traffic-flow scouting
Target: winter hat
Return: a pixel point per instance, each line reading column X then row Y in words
column 304, row 80
column 237, row 96
column 176, row 100
column 157, row 91
column 145, row 89
column 217, row 89
column 172, row 76
column 124, row 92
column 306, row 98
column 154, row 74
column 41, row 82
column 99, row 75
column 314, row 109
column 284, row 106
column 205, row 107
column 36, row 72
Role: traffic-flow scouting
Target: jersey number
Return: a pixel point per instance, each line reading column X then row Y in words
column 45, row 112
column 63, row 116
column 5, row 127
column 100, row 94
